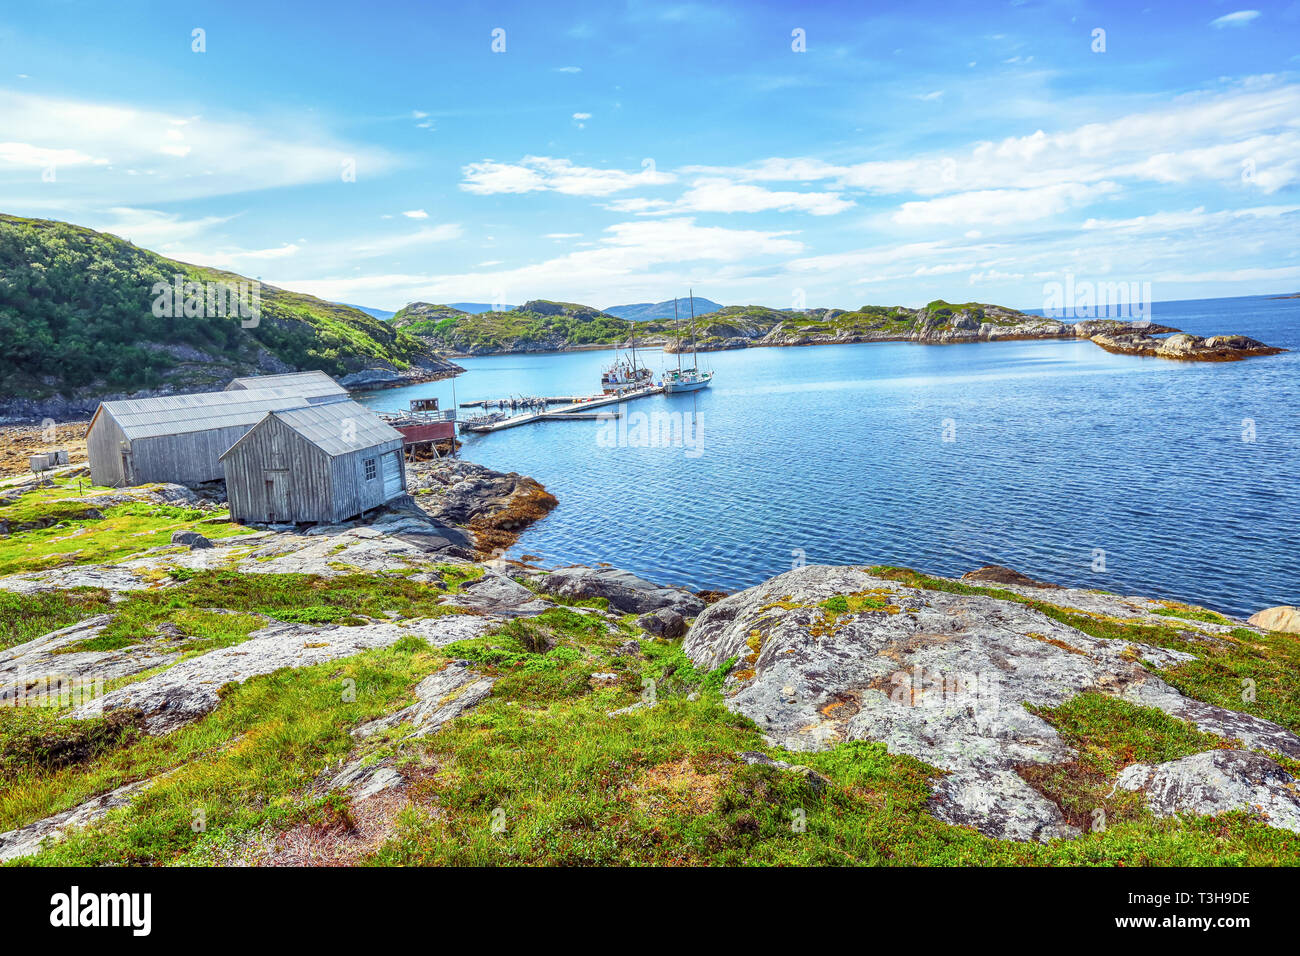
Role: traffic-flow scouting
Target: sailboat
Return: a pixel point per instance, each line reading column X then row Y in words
column 686, row 379
column 626, row 375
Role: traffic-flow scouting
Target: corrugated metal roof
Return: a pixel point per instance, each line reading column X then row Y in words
column 340, row 427
column 184, row 414
column 307, row 384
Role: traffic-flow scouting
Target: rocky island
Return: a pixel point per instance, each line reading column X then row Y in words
column 545, row 326
column 391, row 691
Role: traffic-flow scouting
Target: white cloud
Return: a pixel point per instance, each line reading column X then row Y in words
column 582, row 116
column 542, row 173
column 143, row 155
column 625, row 263
column 722, row 195
column 568, row 69
column 416, row 214
column 1197, row 137
column 1001, row 206
column 1238, row 18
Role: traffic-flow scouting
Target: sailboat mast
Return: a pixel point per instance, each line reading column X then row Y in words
column 695, row 355
column 633, row 321
column 677, row 327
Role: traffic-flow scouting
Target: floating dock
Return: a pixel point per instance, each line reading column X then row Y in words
column 576, row 410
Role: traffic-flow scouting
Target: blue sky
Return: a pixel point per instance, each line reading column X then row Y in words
column 623, row 152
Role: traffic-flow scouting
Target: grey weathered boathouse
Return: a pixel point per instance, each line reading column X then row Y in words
column 318, row 463
column 176, row 438
column 180, row 438
column 316, row 387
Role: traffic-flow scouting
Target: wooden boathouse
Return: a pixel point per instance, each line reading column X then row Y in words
column 175, row 438
column 316, row 387
column 319, row 463
column 180, row 438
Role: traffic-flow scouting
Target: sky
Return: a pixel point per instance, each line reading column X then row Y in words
column 803, row 154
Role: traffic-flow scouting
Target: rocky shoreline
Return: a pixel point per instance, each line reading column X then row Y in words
column 998, row 694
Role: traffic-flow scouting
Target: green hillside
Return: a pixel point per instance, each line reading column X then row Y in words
column 537, row 325
column 76, row 317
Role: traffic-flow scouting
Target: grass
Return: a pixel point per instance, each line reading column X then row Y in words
column 25, row 617
column 540, row 774
column 1108, row 734
column 193, row 606
column 124, row 530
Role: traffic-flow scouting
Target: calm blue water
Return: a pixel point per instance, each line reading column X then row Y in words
column 837, row 452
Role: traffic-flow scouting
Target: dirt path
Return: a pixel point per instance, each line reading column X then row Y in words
column 20, row 442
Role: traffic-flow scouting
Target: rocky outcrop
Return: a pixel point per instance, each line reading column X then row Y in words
column 997, row 574
column 1215, row 782
column 625, row 591
column 828, row 654
column 439, row 698
column 1284, row 618
column 45, row 664
column 192, row 688
column 495, row 506
column 1183, row 346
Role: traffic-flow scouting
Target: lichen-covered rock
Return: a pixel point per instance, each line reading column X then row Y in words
column 827, row 654
column 439, row 698
column 1216, row 782
column 35, row 666
column 625, row 591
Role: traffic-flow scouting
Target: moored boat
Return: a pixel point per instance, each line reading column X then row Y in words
column 625, row 374
column 686, row 379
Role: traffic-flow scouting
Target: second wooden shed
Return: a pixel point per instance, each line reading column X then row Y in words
column 322, row 463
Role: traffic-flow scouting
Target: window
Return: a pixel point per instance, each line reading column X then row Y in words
column 371, row 470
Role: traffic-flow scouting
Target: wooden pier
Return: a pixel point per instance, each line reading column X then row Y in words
column 576, row 410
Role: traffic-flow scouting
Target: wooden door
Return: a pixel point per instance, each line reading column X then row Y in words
column 277, row 495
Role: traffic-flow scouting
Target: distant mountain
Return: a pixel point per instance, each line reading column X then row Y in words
column 475, row 307
column 382, row 314
column 81, row 320
column 648, row 311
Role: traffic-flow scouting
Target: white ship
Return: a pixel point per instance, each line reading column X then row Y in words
column 625, row 375
column 686, row 379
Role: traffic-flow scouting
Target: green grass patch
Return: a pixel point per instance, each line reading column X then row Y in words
column 1109, row 734
column 25, row 617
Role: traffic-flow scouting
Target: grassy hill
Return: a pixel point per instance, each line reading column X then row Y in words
column 539, row 325
column 76, row 318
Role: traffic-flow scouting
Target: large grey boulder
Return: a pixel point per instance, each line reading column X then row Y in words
column 940, row 676
column 624, row 590
column 1216, row 782
column 191, row 539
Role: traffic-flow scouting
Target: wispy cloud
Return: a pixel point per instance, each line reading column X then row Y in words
column 1239, row 18
column 544, row 174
